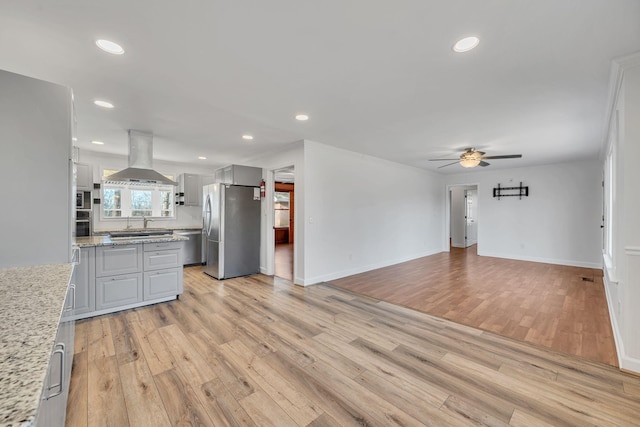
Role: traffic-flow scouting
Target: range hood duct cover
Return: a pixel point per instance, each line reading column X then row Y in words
column 140, row 168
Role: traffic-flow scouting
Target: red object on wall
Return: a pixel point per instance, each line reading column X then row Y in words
column 263, row 189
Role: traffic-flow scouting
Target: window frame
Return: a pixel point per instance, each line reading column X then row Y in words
column 126, row 189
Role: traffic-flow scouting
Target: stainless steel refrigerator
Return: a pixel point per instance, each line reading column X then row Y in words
column 231, row 217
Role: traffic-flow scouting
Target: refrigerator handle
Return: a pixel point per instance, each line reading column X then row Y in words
column 207, row 218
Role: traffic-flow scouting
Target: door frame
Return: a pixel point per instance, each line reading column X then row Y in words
column 447, row 214
column 269, row 214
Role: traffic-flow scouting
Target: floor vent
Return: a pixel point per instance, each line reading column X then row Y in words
column 587, row 279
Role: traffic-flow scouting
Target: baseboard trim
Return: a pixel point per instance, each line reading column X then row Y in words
column 617, row 338
column 361, row 269
column 572, row 263
column 625, row 362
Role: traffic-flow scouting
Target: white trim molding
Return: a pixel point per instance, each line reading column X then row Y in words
column 609, row 270
column 629, row 362
column 617, row 336
column 632, row 250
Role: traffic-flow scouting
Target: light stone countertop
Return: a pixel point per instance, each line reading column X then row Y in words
column 85, row 242
column 30, row 309
column 177, row 228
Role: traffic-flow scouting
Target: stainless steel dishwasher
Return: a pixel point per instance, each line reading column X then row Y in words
column 192, row 254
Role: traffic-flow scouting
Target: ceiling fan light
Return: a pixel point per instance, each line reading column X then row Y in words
column 470, row 162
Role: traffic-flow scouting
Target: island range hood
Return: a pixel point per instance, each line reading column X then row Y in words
column 140, row 168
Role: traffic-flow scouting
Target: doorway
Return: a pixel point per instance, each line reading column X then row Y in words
column 463, row 216
column 284, row 226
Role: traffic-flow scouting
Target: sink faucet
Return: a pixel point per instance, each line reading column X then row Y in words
column 146, row 221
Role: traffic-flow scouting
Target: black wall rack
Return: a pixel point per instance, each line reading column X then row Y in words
column 511, row 191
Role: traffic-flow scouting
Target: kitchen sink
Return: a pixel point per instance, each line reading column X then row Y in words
column 140, row 233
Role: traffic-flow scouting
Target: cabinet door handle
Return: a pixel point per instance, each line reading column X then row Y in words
column 60, row 384
column 76, row 255
column 72, row 288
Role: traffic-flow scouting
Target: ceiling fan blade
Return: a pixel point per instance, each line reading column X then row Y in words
column 444, row 166
column 484, row 164
column 437, row 160
column 482, row 153
column 508, row 156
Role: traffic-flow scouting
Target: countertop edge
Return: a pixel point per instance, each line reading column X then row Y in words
column 95, row 241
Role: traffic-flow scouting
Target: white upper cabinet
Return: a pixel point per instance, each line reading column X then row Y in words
column 190, row 189
column 84, row 177
column 239, row 175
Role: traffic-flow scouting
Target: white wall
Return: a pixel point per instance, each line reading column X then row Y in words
column 622, row 278
column 186, row 216
column 363, row 213
column 292, row 155
column 35, row 169
column 630, row 231
column 558, row 223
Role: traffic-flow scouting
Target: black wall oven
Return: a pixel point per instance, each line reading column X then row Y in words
column 83, row 223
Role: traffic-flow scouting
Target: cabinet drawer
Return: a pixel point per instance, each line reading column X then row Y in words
column 118, row 290
column 161, row 246
column 162, row 259
column 162, row 283
column 114, row 260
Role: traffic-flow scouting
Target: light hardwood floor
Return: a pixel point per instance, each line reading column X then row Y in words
column 260, row 351
column 544, row 304
column 283, row 255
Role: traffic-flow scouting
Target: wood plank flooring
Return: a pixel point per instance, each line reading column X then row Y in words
column 544, row 304
column 259, row 351
column 284, row 260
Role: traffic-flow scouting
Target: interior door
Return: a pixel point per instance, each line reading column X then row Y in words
column 470, row 215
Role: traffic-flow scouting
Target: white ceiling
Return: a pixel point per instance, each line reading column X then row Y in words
column 375, row 76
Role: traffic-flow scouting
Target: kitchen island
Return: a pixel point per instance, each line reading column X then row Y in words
column 119, row 273
column 30, row 311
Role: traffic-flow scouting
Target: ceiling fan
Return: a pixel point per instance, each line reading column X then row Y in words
column 472, row 158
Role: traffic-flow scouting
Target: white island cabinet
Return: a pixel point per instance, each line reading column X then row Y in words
column 162, row 270
column 118, row 276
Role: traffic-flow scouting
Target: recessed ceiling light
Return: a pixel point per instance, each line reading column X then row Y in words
column 202, row 158
column 248, row 137
column 466, row 44
column 97, row 142
column 103, row 104
column 302, row 117
column 110, row 47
